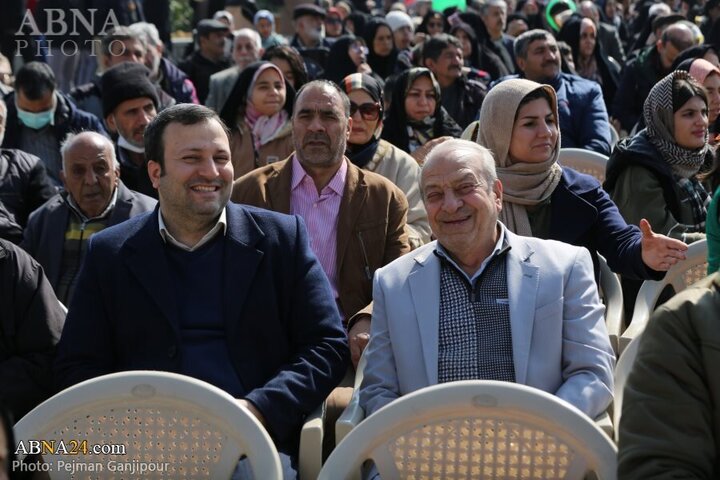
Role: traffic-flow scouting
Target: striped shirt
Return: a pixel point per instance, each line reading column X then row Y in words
column 320, row 212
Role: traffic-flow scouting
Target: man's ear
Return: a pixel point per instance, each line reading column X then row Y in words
column 62, row 178
column 498, row 190
column 154, row 172
column 429, row 63
column 110, row 122
column 520, row 63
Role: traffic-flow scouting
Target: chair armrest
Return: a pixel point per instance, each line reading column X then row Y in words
column 311, row 441
column 353, row 414
column 603, row 421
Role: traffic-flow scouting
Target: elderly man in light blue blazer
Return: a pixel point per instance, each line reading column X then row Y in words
column 484, row 303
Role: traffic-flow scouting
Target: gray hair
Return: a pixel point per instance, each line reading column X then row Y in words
column 73, row 137
column 479, row 158
column 120, row 33
column 522, row 42
column 484, row 6
column 148, row 32
column 251, row 34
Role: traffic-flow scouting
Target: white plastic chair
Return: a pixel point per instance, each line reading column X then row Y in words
column 611, row 292
column 622, row 371
column 584, row 161
column 680, row 276
column 353, row 413
column 475, row 429
column 186, row 426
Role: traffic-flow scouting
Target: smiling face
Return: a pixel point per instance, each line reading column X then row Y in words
column 534, row 134
column 196, row 181
column 421, row 99
column 462, row 207
column 691, row 122
column 268, row 94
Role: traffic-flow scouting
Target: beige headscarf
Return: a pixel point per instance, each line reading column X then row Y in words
column 523, row 183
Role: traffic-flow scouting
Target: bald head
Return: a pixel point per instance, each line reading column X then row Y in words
column 589, row 10
column 90, row 171
column 462, row 152
column 675, row 38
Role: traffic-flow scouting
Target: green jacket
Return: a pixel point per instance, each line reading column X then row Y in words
column 670, row 425
column 712, row 232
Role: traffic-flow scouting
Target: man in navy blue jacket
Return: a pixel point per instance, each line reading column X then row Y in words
column 229, row 294
column 584, row 120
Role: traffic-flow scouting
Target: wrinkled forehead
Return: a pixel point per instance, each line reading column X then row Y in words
column 319, row 98
column 445, row 172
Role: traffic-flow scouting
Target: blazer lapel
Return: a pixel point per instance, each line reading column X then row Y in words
column 351, row 206
column 123, row 204
column 146, row 259
column 278, row 188
column 424, row 283
column 242, row 259
column 523, row 282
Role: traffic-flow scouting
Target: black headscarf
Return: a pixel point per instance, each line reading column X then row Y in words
column 570, row 34
column 339, row 64
column 236, row 102
column 473, row 60
column 382, row 66
column 361, row 155
column 359, row 21
column 396, row 121
column 422, row 28
column 490, row 61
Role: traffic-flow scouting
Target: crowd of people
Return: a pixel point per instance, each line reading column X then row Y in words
column 385, row 181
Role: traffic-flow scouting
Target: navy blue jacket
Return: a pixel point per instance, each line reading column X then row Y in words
column 584, row 215
column 176, row 83
column 68, row 119
column 284, row 332
column 584, row 119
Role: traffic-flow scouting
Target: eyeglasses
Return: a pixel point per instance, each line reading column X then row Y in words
column 333, row 21
column 368, row 111
column 360, row 48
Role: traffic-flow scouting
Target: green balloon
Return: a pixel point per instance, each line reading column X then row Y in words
column 441, row 5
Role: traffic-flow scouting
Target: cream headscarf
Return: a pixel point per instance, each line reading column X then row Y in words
column 523, row 183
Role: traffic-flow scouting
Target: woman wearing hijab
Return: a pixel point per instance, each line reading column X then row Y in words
column 258, row 114
column 653, row 174
column 382, row 55
column 347, row 55
column 518, row 123
column 433, row 22
column 415, row 114
column 264, row 22
column 589, row 60
column 707, row 75
column 289, row 61
column 367, row 150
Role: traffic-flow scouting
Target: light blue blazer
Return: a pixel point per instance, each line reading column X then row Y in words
column 559, row 340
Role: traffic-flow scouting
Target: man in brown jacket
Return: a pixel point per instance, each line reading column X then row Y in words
column 356, row 219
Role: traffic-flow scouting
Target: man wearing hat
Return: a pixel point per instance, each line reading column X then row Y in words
column 209, row 57
column 129, row 104
column 94, row 198
column 310, row 39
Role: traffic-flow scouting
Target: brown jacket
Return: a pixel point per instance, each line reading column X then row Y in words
column 370, row 231
column 243, row 153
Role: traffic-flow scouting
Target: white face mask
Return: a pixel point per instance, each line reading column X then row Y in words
column 124, row 143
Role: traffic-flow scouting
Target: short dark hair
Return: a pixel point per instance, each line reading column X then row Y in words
column 182, row 113
column 35, row 80
column 434, row 46
column 684, row 89
column 523, row 41
column 327, row 84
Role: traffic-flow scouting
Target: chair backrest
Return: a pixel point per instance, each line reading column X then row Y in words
column 680, row 276
column 584, row 161
column 611, row 293
column 179, row 426
column 622, row 371
column 476, row 429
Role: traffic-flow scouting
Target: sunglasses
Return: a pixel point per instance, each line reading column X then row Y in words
column 368, row 111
